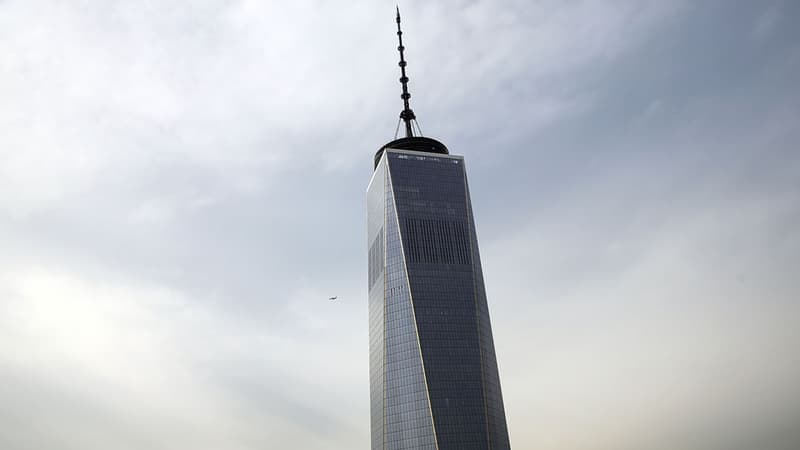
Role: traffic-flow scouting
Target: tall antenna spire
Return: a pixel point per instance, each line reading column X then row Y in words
column 410, row 142
column 407, row 115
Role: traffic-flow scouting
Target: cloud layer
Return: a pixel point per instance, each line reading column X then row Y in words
column 182, row 187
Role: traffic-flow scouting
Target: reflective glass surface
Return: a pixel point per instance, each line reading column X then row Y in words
column 449, row 300
column 400, row 410
column 408, row 414
column 434, row 381
column 376, row 212
column 495, row 411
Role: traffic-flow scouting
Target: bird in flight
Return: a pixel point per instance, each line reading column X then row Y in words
column 333, row 298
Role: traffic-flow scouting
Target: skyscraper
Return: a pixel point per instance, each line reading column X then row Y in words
column 434, row 382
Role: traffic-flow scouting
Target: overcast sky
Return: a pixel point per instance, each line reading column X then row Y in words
column 182, row 187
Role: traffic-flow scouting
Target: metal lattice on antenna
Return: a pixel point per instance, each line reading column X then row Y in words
column 407, row 115
column 413, row 140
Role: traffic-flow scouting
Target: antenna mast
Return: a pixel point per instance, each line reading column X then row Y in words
column 407, row 115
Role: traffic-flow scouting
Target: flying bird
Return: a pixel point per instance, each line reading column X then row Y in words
column 333, row 298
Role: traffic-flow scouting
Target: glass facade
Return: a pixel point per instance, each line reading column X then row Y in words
column 433, row 370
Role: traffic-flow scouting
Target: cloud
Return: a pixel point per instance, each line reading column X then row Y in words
column 181, row 190
column 92, row 362
column 624, row 333
column 656, row 298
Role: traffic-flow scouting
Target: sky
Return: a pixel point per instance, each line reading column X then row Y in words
column 182, row 187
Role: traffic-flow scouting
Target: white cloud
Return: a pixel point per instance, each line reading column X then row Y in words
column 153, row 367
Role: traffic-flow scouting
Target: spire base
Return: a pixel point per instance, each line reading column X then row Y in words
column 414, row 143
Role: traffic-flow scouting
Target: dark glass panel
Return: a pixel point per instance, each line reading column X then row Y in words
column 408, row 422
column 376, row 212
column 442, row 281
column 436, row 346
